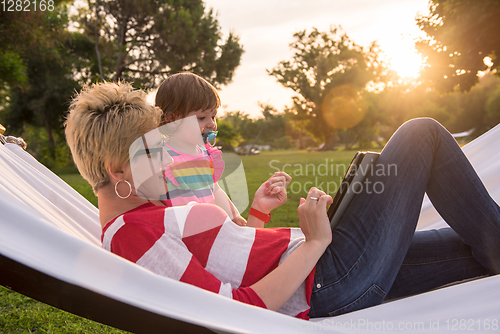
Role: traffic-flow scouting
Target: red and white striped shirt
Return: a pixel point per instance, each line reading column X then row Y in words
column 198, row 244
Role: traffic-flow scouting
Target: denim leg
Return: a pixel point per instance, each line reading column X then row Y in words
column 371, row 241
column 435, row 258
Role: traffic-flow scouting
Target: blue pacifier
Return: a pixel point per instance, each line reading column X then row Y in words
column 210, row 137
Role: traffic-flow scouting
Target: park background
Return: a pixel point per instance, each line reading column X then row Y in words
column 292, row 76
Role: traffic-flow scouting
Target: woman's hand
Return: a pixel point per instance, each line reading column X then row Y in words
column 272, row 193
column 313, row 218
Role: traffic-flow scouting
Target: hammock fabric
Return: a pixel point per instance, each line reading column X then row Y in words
column 50, row 251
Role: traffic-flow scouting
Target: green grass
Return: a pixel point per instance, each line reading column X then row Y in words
column 79, row 184
column 320, row 169
column 20, row 314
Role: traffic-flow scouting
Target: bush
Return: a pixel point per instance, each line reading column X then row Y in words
column 38, row 146
column 281, row 143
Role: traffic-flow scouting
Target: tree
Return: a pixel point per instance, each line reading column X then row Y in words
column 12, row 73
column 20, row 32
column 50, row 63
column 227, row 137
column 296, row 130
column 477, row 107
column 460, row 34
column 493, row 107
column 328, row 73
column 242, row 124
column 143, row 41
column 44, row 100
column 270, row 129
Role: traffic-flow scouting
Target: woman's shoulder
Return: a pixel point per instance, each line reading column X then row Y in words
column 145, row 218
column 176, row 220
column 144, row 212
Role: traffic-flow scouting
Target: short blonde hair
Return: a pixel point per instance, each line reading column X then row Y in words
column 102, row 123
column 184, row 92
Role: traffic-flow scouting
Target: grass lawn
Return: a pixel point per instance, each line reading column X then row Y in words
column 20, row 314
column 320, row 169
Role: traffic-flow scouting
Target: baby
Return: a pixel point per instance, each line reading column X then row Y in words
column 188, row 99
column 173, row 164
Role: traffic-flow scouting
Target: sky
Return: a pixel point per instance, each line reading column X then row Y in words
column 266, row 29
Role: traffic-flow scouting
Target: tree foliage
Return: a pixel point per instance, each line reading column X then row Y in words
column 43, row 63
column 272, row 128
column 328, row 73
column 457, row 111
column 143, row 41
column 227, row 137
column 460, row 34
column 49, row 62
column 50, row 84
column 20, row 33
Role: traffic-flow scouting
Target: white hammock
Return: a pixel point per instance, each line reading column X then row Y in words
column 50, row 250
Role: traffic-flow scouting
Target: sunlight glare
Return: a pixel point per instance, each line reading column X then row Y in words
column 406, row 62
column 343, row 107
column 403, row 57
column 400, row 47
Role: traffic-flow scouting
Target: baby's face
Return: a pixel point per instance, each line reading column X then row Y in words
column 206, row 119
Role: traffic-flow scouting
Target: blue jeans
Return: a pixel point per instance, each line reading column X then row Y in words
column 375, row 252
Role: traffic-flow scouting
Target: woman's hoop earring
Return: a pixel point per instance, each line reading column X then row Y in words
column 116, row 189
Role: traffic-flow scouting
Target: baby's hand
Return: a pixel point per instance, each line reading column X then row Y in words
column 277, row 183
column 272, row 193
column 240, row 221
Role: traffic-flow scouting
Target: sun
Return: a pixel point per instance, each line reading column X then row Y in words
column 404, row 59
column 406, row 62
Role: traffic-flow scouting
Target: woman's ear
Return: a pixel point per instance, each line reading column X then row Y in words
column 116, row 173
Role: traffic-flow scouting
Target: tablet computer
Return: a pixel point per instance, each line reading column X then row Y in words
column 352, row 184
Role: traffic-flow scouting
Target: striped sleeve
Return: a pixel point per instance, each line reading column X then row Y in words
column 152, row 239
column 196, row 275
column 199, row 236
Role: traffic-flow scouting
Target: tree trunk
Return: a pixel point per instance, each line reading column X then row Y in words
column 96, row 40
column 122, row 26
column 52, row 144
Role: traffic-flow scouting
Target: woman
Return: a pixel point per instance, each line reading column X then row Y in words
column 373, row 254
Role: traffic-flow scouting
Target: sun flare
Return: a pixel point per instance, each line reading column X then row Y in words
column 404, row 59
column 407, row 63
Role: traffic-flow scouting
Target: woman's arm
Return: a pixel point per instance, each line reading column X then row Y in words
column 280, row 284
column 274, row 289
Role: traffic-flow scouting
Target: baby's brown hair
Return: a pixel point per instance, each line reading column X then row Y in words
column 184, row 92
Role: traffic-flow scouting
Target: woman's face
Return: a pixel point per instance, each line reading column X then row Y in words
column 147, row 163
